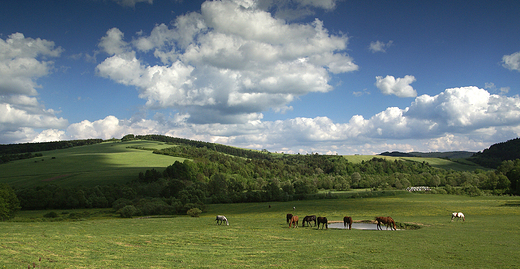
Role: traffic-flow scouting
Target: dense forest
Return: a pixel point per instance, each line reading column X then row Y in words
column 497, row 153
column 224, row 174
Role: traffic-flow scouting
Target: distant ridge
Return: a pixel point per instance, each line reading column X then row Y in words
column 497, row 153
column 444, row 155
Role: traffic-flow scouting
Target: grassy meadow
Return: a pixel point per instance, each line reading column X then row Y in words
column 259, row 237
column 99, row 164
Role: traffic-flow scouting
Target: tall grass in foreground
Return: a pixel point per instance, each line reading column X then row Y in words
column 258, row 236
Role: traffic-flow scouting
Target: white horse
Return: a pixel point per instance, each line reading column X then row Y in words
column 458, row 216
column 222, row 219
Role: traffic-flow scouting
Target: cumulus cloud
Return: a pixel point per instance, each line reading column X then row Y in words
column 379, row 46
column 512, row 61
column 466, row 118
column 228, row 63
column 21, row 65
column 399, row 87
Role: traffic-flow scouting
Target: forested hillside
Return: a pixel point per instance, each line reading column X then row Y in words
column 497, row 153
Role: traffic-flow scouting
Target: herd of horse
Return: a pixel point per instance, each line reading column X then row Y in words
column 293, row 221
column 347, row 221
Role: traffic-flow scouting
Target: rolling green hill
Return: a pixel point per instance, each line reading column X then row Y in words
column 91, row 165
column 120, row 162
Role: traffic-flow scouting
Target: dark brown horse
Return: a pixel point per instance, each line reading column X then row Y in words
column 288, row 217
column 294, row 221
column 388, row 221
column 308, row 219
column 347, row 220
column 323, row 221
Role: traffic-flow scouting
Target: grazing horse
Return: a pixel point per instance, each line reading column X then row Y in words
column 347, row 220
column 388, row 221
column 324, row 222
column 294, row 222
column 288, row 217
column 308, row 219
column 221, row 219
column 458, row 216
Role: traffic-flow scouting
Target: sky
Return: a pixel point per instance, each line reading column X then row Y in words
column 294, row 76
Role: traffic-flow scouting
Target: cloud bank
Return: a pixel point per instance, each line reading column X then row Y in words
column 458, row 118
column 21, row 64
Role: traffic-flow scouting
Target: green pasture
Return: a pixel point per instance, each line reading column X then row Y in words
column 109, row 162
column 259, row 237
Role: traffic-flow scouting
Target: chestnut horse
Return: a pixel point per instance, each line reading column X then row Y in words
column 458, row 216
column 308, row 219
column 323, row 221
column 294, row 222
column 288, row 217
column 388, row 221
column 347, row 220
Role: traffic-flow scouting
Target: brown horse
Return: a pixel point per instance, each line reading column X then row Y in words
column 388, row 221
column 294, row 222
column 323, row 221
column 347, row 220
column 288, row 217
column 308, row 219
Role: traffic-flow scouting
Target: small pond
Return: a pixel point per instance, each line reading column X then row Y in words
column 356, row 225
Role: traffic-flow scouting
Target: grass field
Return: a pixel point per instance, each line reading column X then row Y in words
column 259, row 237
column 88, row 165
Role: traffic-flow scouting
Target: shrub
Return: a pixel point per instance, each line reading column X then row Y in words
column 128, row 211
column 51, row 214
column 194, row 212
column 120, row 203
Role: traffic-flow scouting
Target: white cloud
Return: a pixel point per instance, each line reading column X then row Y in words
column 20, row 64
column 20, row 67
column 50, row 135
column 512, row 61
column 493, row 88
column 399, row 87
column 228, row 63
column 466, row 108
column 131, row 3
column 112, row 42
column 379, row 46
column 290, row 9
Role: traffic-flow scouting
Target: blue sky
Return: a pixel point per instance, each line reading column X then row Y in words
column 295, row 76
